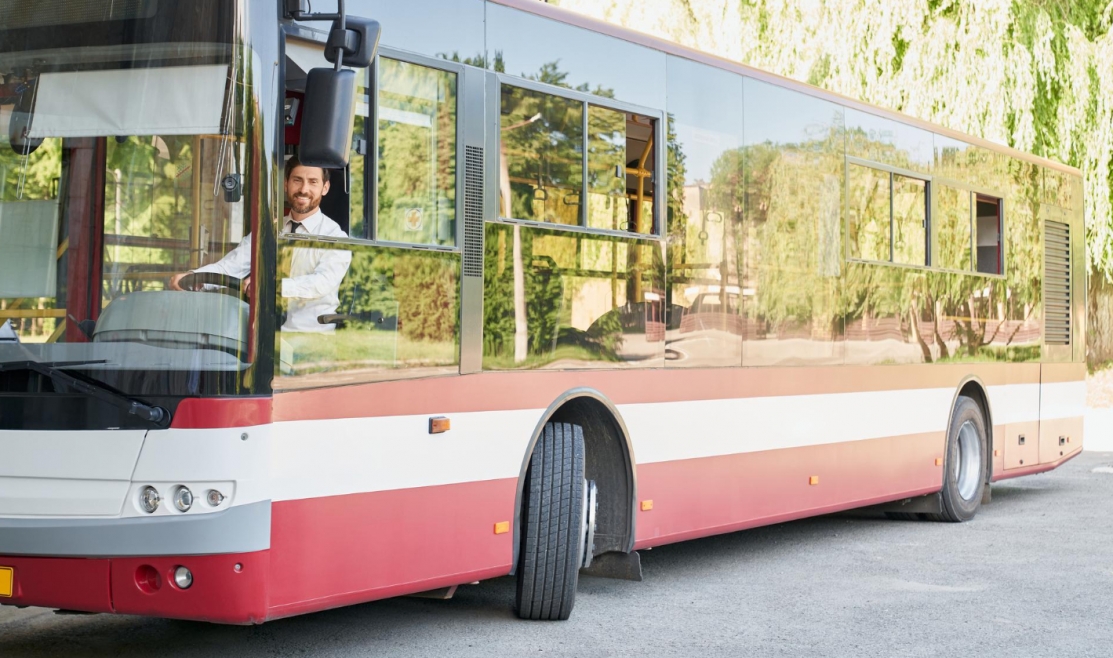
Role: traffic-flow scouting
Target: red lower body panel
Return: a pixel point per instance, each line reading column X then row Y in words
column 339, row 550
column 220, row 592
column 707, row 496
column 67, row 583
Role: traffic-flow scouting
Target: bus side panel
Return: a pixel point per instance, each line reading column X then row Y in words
column 1062, row 406
column 712, row 495
column 339, row 550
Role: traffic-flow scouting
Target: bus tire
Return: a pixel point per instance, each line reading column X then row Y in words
column 964, row 468
column 551, row 523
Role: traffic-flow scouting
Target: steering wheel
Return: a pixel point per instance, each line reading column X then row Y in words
column 228, row 285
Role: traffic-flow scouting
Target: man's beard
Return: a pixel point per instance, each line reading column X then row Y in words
column 311, row 204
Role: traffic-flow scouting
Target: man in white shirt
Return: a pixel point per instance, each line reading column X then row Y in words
column 313, row 287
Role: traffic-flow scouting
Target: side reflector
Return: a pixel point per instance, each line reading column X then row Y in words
column 647, row 505
column 996, row 453
column 502, row 527
column 813, row 480
column 439, row 425
column 938, row 461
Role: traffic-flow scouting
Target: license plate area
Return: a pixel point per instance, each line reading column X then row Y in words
column 7, row 579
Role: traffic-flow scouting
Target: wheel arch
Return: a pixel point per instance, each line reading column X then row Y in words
column 609, row 461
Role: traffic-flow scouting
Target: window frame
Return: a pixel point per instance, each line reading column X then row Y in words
column 929, row 229
column 371, row 160
column 974, row 191
column 495, row 83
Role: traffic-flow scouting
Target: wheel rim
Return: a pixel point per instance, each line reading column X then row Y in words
column 967, row 466
column 587, row 524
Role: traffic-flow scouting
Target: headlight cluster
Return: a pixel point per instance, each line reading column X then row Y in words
column 149, row 498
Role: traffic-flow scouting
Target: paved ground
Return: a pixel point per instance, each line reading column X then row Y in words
column 1032, row 575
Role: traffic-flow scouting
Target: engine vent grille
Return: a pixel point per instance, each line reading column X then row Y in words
column 473, row 211
column 1056, row 283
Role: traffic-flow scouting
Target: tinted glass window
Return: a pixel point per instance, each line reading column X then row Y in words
column 909, row 220
column 950, row 216
column 869, row 233
column 387, row 313
column 541, row 163
column 417, row 154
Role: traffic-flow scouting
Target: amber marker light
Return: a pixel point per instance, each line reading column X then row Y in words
column 439, row 425
column 647, row 505
column 938, row 461
column 813, row 480
column 502, row 527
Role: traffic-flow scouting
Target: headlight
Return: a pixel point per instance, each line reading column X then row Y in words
column 183, row 578
column 149, row 499
column 183, row 499
column 215, row 498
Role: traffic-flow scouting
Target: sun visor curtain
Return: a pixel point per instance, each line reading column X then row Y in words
column 179, row 100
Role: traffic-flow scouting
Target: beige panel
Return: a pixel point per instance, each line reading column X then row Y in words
column 1026, row 454
column 1069, row 430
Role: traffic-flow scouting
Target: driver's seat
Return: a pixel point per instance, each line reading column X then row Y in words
column 182, row 320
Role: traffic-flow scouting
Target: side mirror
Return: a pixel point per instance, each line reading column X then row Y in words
column 359, row 40
column 327, row 119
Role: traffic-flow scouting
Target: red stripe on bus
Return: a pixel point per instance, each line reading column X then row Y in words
column 338, row 550
column 497, row 391
column 712, row 495
column 213, row 413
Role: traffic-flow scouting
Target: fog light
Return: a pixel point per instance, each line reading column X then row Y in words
column 183, row 499
column 149, row 499
column 183, row 578
column 215, row 498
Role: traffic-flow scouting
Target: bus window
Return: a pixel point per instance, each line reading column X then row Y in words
column 909, row 220
column 951, row 219
column 417, row 154
column 989, row 234
column 394, row 315
column 869, row 213
column 541, row 165
column 620, row 171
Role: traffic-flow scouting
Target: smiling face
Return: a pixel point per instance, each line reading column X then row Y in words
column 304, row 188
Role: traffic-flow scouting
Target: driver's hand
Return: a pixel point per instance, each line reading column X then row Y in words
column 175, row 281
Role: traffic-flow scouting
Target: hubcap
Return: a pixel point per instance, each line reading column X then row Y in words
column 968, row 462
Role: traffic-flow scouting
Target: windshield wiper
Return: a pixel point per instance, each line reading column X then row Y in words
column 102, row 392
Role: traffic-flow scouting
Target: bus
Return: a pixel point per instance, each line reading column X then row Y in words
column 563, row 293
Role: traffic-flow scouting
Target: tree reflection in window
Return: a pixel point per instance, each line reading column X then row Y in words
column 541, row 163
column 417, row 154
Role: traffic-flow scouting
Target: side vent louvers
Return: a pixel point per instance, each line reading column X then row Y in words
column 1056, row 283
column 473, row 211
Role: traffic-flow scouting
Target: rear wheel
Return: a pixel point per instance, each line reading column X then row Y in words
column 557, row 524
column 965, row 466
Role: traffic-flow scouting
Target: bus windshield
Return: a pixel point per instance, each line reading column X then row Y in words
column 119, row 168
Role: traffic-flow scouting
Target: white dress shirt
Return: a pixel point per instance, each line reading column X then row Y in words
column 313, row 287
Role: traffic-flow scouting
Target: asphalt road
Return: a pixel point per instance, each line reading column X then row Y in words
column 1032, row 575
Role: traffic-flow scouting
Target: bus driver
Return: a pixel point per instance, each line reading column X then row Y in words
column 313, row 287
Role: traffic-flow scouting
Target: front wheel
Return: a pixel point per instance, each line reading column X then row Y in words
column 965, row 465
column 556, row 525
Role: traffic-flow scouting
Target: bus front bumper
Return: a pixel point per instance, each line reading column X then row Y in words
column 228, row 589
column 127, row 565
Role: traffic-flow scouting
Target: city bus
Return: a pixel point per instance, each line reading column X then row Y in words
column 588, row 292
